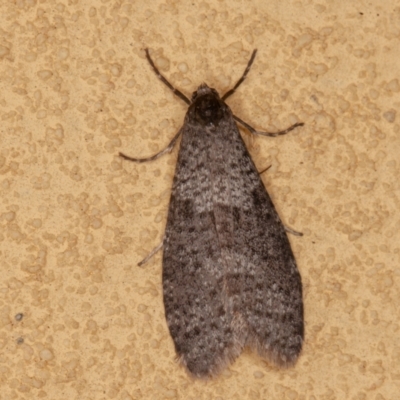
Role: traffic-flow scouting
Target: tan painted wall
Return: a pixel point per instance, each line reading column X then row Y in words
column 75, row 88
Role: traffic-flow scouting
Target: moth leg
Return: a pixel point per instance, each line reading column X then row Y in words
column 151, row 254
column 168, row 149
column 265, row 169
column 164, row 80
column 243, row 77
column 287, row 229
column 271, row 134
column 292, row 231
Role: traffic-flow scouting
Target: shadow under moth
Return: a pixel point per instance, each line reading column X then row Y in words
column 229, row 276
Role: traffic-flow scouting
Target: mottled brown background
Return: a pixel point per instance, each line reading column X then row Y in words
column 75, row 219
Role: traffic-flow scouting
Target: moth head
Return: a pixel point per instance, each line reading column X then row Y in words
column 207, row 107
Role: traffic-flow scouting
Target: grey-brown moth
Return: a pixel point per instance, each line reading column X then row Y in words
column 229, row 276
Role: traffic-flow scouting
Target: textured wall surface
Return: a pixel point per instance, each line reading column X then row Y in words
column 78, row 318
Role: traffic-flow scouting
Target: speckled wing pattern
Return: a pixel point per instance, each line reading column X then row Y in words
column 229, row 275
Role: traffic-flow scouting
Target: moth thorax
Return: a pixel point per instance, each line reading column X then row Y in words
column 209, row 109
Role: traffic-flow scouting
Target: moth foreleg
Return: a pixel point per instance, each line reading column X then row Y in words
column 271, row 134
column 168, row 149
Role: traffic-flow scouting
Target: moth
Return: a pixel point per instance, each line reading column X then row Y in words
column 229, row 276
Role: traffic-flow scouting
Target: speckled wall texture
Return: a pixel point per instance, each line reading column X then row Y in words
column 78, row 318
